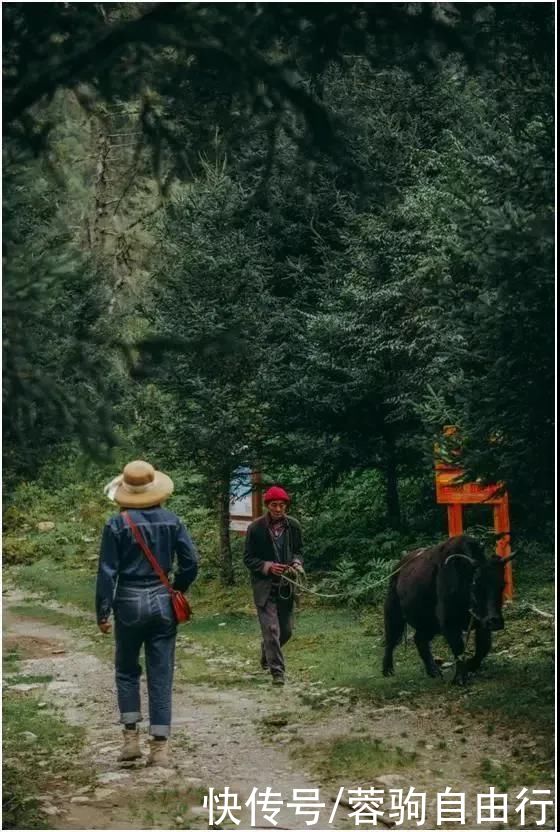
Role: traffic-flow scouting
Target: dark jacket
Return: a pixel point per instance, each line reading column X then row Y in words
column 260, row 552
column 122, row 559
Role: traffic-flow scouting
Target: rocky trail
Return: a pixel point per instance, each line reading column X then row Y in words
column 246, row 736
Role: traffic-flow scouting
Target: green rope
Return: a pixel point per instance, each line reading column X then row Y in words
column 300, row 577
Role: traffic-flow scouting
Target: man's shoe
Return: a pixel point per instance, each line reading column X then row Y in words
column 131, row 746
column 264, row 664
column 159, row 753
column 278, row 679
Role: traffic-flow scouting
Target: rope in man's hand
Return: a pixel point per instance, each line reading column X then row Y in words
column 294, row 580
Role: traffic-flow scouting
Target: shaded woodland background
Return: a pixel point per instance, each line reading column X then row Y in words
column 298, row 236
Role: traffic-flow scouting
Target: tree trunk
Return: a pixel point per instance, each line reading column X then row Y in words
column 226, row 559
column 392, row 484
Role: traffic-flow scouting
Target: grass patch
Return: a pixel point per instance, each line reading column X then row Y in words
column 49, row 616
column 168, row 808
column 11, row 660
column 195, row 669
column 496, row 773
column 39, row 752
column 22, row 679
column 276, row 723
column 358, row 760
column 67, row 584
column 505, row 775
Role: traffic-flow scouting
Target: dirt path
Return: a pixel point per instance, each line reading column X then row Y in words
column 239, row 737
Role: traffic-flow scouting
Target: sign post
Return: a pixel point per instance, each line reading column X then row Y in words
column 245, row 499
column 453, row 493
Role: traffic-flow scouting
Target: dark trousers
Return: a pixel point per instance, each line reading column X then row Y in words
column 276, row 618
column 144, row 617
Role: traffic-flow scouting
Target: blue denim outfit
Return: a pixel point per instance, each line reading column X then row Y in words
column 127, row 584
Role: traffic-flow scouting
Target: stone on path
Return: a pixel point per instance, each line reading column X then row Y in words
column 192, row 782
column 199, row 812
column 112, row 776
column 23, row 688
column 103, row 794
column 157, row 774
column 391, row 780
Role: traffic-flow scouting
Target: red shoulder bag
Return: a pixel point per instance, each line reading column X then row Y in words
column 181, row 607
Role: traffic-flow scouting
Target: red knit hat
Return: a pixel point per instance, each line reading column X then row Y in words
column 276, row 493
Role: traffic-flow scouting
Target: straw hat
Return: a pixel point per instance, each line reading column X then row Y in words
column 139, row 486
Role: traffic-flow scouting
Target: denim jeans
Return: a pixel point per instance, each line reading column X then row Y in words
column 144, row 616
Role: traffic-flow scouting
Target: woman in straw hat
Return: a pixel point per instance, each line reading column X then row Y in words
column 128, row 586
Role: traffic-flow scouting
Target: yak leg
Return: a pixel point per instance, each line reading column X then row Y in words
column 483, row 643
column 454, row 636
column 394, row 628
column 422, row 641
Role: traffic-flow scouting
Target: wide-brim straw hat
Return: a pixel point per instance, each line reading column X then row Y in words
column 139, row 486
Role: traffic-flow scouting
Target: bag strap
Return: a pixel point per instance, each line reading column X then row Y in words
column 147, row 551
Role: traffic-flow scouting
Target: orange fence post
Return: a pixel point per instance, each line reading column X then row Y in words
column 455, row 519
column 503, row 548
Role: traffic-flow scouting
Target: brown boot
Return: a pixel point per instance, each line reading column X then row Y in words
column 159, row 753
column 131, row 746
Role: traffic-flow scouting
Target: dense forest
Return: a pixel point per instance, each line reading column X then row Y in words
column 302, row 237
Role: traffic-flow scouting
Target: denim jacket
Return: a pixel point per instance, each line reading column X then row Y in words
column 121, row 558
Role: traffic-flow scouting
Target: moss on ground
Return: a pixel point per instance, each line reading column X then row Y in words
column 39, row 751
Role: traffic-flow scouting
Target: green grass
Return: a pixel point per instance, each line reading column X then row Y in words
column 194, row 669
column 168, row 808
column 55, row 744
column 11, row 660
column 72, row 584
column 345, row 759
column 496, row 773
column 22, row 679
column 505, row 774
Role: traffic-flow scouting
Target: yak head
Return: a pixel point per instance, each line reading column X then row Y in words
column 488, row 581
column 488, row 592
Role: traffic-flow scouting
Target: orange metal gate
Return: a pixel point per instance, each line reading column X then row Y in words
column 456, row 494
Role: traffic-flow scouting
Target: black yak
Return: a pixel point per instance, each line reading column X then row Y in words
column 437, row 590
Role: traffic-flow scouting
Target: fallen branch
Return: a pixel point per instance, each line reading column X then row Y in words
column 539, row 612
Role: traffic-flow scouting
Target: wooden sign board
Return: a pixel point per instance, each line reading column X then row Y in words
column 245, row 499
column 449, row 490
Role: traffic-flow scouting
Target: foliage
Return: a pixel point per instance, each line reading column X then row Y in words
column 59, row 356
column 326, row 233
column 353, row 586
column 119, row 51
column 497, row 283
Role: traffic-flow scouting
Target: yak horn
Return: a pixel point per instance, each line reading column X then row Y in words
column 509, row 557
column 460, row 555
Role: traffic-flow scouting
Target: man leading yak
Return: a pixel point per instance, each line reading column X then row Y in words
column 273, row 544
